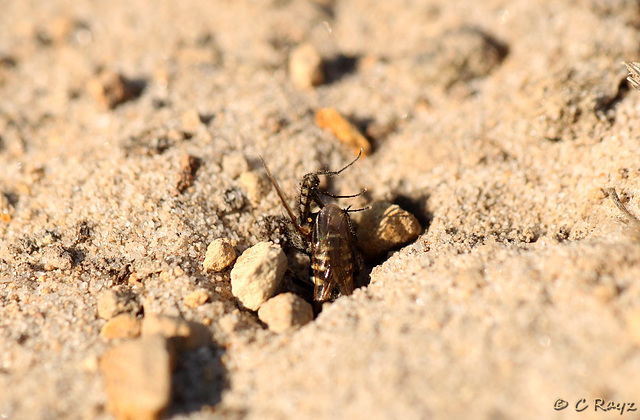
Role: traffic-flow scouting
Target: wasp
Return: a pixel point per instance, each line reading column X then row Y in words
column 326, row 236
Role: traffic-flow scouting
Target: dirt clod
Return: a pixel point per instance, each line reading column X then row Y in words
column 110, row 89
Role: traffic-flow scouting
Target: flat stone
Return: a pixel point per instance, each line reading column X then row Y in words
column 258, row 274
column 137, row 377
column 285, row 312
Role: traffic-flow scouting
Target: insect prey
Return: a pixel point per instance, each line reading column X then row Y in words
column 326, row 236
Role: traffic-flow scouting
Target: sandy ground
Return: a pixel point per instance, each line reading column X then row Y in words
column 496, row 123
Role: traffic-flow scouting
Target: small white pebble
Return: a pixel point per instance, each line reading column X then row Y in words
column 285, row 312
column 220, row 255
column 306, row 67
column 258, row 274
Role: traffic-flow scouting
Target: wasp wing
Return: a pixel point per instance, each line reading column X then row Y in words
column 332, row 259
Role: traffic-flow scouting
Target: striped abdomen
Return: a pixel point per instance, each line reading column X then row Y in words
column 332, row 258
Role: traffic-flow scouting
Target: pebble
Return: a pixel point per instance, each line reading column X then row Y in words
column 257, row 186
column 121, row 326
column 113, row 302
column 188, row 167
column 220, row 255
column 258, row 274
column 137, row 377
column 110, row 89
column 234, row 164
column 306, row 67
column 385, row 227
column 285, row 312
column 190, row 120
column 184, row 335
column 331, row 120
column 197, row 298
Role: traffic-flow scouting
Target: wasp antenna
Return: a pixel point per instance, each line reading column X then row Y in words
column 334, row 173
column 283, row 198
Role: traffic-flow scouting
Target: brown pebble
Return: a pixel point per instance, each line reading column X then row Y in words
column 258, row 274
column 137, row 378
column 330, row 119
column 197, row 298
column 185, row 335
column 121, row 326
column 385, row 227
column 220, row 255
column 110, row 89
column 257, row 186
column 188, row 167
column 285, row 312
column 306, row 67
column 114, row 302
